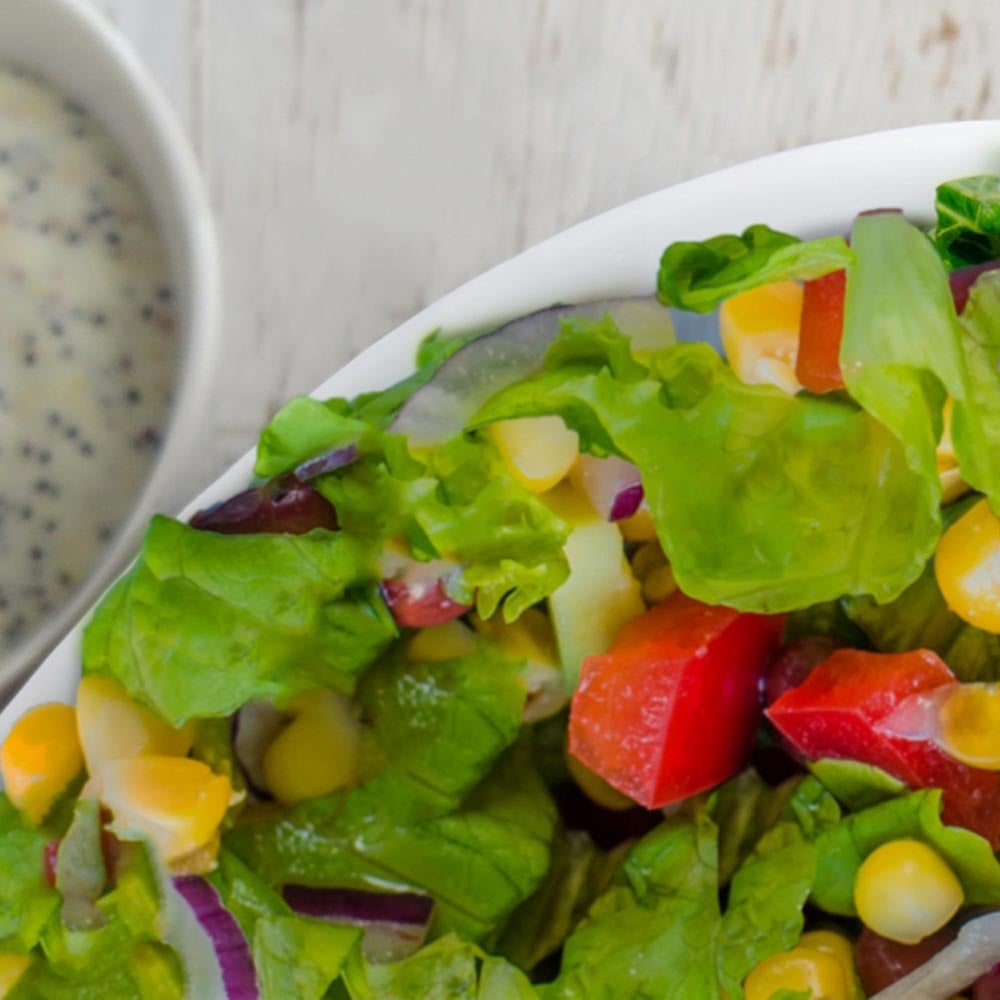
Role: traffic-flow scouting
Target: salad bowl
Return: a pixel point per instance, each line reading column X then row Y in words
column 721, row 650
column 806, row 191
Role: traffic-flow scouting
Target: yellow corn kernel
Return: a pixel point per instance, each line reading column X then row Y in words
column 12, row 967
column 177, row 802
column 318, row 752
column 640, row 527
column 659, row 585
column 839, row 947
column 111, row 726
column 805, row 970
column 646, row 558
column 905, row 891
column 539, row 451
column 441, row 642
column 952, row 483
column 595, row 787
column 40, row 757
column 970, row 725
column 967, row 566
column 760, row 333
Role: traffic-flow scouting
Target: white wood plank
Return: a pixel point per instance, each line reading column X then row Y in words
column 364, row 156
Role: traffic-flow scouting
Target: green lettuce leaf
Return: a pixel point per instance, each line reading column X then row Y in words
column 301, row 429
column 438, row 812
column 762, row 501
column 122, row 959
column 448, row 969
column 968, row 220
column 698, row 276
column 296, row 958
column 858, row 786
column 247, row 616
column 26, row 900
column 842, row 848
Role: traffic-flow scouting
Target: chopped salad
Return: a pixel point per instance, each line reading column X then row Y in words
column 611, row 655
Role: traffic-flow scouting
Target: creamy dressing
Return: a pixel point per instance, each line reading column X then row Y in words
column 87, row 346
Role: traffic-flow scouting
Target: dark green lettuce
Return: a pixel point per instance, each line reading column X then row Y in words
column 699, row 276
column 968, row 220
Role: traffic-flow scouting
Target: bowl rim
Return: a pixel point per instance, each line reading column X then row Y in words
column 838, row 178
column 200, row 341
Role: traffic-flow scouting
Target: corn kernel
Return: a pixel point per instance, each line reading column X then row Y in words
column 970, row 725
column 905, row 892
column 801, row 970
column 441, row 642
column 967, row 566
column 12, row 967
column 595, row 787
column 318, row 752
column 112, row 726
column 760, row 334
column 659, row 585
column 539, row 451
column 40, row 757
column 836, row 946
column 640, row 527
column 177, row 802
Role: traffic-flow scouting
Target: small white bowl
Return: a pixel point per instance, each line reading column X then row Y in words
column 808, row 191
column 76, row 50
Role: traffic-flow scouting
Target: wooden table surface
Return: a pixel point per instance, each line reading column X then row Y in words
column 365, row 156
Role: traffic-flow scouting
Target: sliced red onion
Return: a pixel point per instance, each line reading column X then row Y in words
column 974, row 953
column 329, row 461
column 612, row 485
column 255, row 726
column 443, row 407
column 394, row 924
column 416, row 593
column 279, row 506
column 239, row 977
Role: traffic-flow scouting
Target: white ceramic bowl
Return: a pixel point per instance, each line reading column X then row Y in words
column 817, row 189
column 74, row 48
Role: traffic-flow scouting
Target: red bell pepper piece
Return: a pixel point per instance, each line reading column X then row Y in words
column 672, row 708
column 839, row 712
column 821, row 330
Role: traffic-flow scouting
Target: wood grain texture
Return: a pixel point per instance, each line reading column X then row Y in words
column 365, row 156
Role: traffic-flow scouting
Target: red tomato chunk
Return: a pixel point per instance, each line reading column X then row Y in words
column 672, row 708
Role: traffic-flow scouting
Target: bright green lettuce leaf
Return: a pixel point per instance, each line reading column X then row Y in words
column 764, row 911
column 204, row 622
column 968, row 220
column 301, row 429
column 26, row 900
column 124, row 958
column 976, row 422
column 424, row 819
column 762, row 501
column 698, row 276
column 904, row 350
column 448, row 969
column 653, row 933
column 856, row 785
column 842, row 849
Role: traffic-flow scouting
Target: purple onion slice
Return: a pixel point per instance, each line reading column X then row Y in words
column 329, row 461
column 279, row 506
column 612, row 485
column 394, row 924
column 443, row 406
column 239, row 977
column 255, row 727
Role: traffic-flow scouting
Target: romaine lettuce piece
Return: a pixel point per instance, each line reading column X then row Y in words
column 968, row 220
column 203, row 622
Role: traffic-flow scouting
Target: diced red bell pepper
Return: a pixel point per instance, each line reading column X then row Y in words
column 821, row 330
column 839, row 710
column 672, row 708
